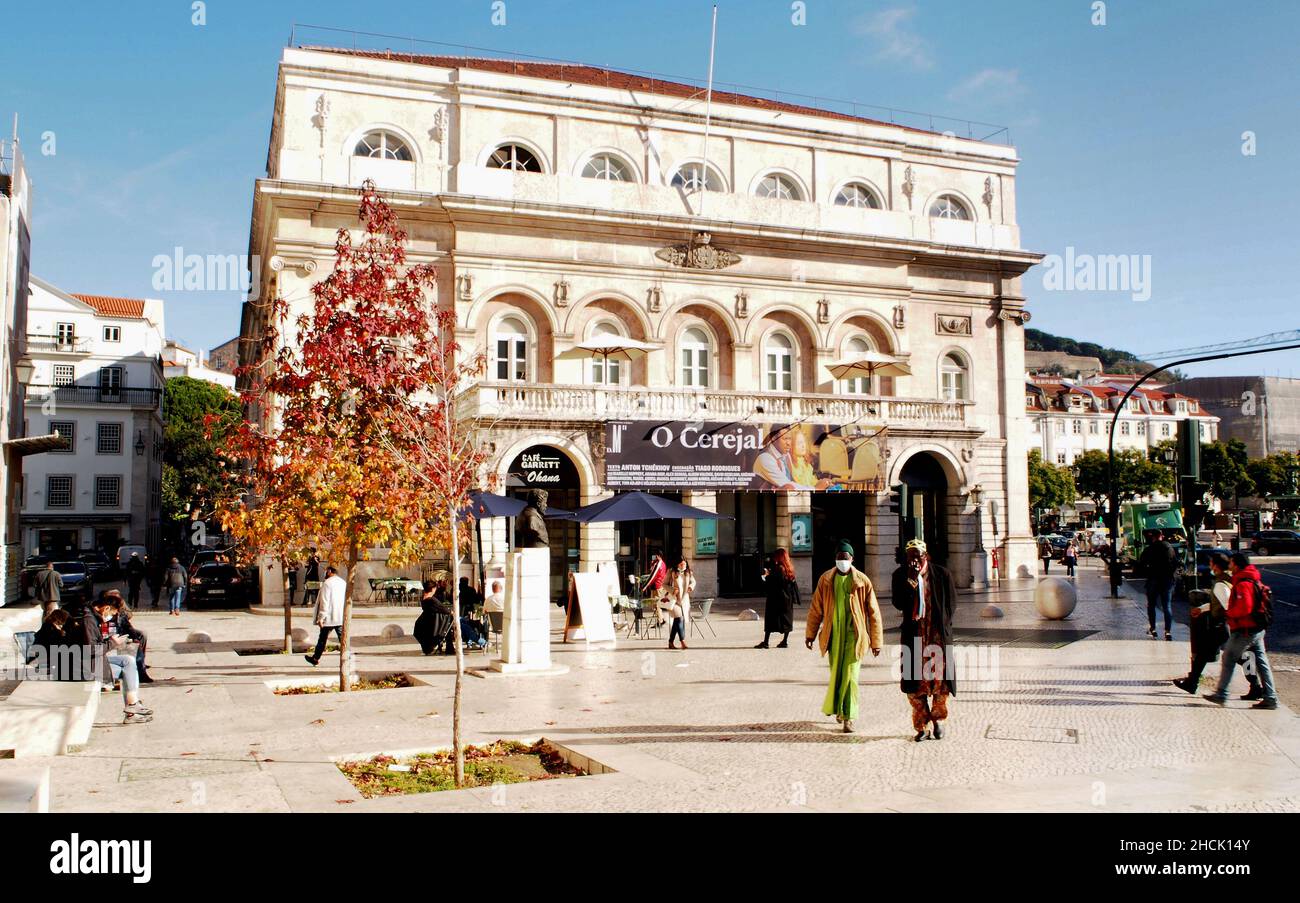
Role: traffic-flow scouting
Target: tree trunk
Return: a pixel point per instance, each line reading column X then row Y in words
column 345, row 638
column 288, row 607
column 454, row 564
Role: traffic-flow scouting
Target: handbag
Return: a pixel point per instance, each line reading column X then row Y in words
column 676, row 610
column 311, row 584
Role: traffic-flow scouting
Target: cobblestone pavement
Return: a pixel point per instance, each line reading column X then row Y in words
column 1082, row 718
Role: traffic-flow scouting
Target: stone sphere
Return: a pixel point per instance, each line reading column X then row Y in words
column 747, row 615
column 198, row 637
column 392, row 631
column 299, row 634
column 1055, row 598
column 991, row 611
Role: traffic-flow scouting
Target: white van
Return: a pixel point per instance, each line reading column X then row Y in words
column 124, row 554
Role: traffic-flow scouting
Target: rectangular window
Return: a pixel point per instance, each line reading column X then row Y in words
column 64, row 374
column 110, row 381
column 108, row 492
column 1060, row 427
column 58, row 491
column 1029, row 401
column 1141, row 429
column 108, row 438
column 1164, row 429
column 68, row 430
column 1038, row 427
column 65, row 333
column 1092, row 428
column 1123, row 428
column 112, row 333
column 1078, row 427
column 1060, row 457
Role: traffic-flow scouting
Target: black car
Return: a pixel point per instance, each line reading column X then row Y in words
column 1270, row 542
column 218, row 584
column 78, row 585
column 98, row 564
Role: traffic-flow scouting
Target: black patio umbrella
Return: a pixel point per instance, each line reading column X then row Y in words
column 638, row 506
column 486, row 504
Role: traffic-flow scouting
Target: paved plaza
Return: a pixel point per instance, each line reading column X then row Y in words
column 1083, row 718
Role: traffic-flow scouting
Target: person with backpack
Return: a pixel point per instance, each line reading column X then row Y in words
column 1250, row 614
column 1209, row 629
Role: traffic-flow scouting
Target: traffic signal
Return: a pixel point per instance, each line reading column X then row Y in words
column 1192, row 492
column 1189, row 448
column 898, row 499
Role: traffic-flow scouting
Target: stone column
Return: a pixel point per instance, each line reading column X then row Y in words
column 526, row 633
column 788, row 503
column 1019, row 551
column 705, row 567
column 882, row 541
column 597, row 543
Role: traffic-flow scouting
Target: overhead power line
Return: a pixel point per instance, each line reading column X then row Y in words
column 1260, row 343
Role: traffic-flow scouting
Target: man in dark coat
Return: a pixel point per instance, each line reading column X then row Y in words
column 134, row 577
column 926, row 595
column 1159, row 562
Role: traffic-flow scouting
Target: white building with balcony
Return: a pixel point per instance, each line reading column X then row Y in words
column 98, row 383
column 566, row 203
column 181, row 361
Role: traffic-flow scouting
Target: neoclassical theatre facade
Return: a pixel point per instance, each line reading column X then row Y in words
column 571, row 208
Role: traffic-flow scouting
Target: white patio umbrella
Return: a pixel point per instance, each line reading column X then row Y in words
column 868, row 363
column 608, row 345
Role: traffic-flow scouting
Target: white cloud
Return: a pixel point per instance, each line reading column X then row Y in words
column 991, row 86
column 895, row 41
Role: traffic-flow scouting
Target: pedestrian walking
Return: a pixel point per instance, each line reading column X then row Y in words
column 1249, row 615
column 1209, row 630
column 844, row 618
column 926, row 595
column 47, row 585
column 329, row 612
column 291, row 577
column 679, row 594
column 656, row 586
column 311, row 579
column 1159, row 562
column 134, row 577
column 1071, row 558
column 782, row 596
column 1045, row 553
column 175, row 581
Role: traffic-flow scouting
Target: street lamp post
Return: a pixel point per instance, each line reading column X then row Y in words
column 979, row 558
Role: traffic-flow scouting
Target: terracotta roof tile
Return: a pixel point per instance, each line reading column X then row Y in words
column 114, row 307
column 607, row 78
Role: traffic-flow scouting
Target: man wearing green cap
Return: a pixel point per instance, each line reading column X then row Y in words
column 844, row 618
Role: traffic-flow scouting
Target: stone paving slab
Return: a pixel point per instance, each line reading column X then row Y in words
column 720, row 726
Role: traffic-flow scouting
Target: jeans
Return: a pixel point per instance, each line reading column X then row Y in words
column 472, row 632
column 324, row 635
column 174, row 599
column 123, row 669
column 1162, row 595
column 1251, row 645
column 678, row 630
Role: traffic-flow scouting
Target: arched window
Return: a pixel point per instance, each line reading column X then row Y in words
column 384, row 145
column 953, row 378
column 697, row 354
column 778, row 357
column 509, row 343
column 858, row 385
column 512, row 156
column 609, row 168
column 856, row 194
column 606, row 371
column 775, row 185
column 696, row 177
column 947, row 206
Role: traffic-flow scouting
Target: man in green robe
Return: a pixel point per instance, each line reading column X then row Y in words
column 844, row 618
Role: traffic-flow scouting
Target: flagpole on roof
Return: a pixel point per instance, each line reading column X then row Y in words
column 708, row 112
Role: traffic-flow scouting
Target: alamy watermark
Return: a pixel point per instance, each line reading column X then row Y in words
column 181, row 272
column 1076, row 272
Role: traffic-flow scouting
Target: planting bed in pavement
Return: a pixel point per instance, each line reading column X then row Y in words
column 502, row 762
column 369, row 682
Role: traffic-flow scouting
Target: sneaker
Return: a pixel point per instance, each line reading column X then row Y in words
column 138, row 708
column 1267, row 705
column 1185, row 685
column 1151, row 632
column 311, row 661
column 1217, row 700
column 1256, row 692
column 135, row 718
column 1168, row 635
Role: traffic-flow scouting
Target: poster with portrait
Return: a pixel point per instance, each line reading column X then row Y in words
column 797, row 457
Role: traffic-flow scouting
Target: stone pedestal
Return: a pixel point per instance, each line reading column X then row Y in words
column 526, row 625
column 979, row 569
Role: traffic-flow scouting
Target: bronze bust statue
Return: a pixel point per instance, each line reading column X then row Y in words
column 532, row 526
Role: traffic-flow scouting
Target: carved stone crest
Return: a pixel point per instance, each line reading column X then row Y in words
column 466, row 287
column 438, row 131
column 900, row 316
column 951, row 324
column 742, row 305
column 700, row 254
column 562, row 293
column 654, row 299
column 823, row 311
column 909, row 185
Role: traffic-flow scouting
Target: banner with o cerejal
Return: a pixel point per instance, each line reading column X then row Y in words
column 795, row 457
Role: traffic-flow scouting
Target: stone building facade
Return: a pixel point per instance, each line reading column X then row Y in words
column 566, row 204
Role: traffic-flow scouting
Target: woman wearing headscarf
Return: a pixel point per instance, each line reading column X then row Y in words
column 926, row 595
column 782, row 597
column 844, row 618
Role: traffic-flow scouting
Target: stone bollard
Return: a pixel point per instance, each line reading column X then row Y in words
column 299, row 634
column 392, row 631
column 747, row 615
column 1055, row 598
column 991, row 611
column 198, row 638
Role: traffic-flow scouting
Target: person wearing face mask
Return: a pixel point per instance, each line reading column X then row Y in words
column 925, row 593
column 844, row 618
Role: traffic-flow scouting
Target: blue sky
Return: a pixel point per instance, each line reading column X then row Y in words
column 1130, row 132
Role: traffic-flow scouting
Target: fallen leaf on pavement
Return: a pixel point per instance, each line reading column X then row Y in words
column 189, row 754
column 345, row 801
column 319, row 721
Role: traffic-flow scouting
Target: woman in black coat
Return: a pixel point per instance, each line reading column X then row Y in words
column 782, row 597
column 434, row 620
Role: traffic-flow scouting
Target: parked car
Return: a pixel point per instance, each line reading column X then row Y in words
column 209, row 556
column 98, row 564
column 78, row 585
column 218, row 583
column 1270, row 542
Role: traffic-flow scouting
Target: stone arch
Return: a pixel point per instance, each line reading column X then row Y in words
column 624, row 311
column 806, row 337
column 958, row 480
column 877, row 329
column 489, row 309
column 589, row 483
column 718, row 323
